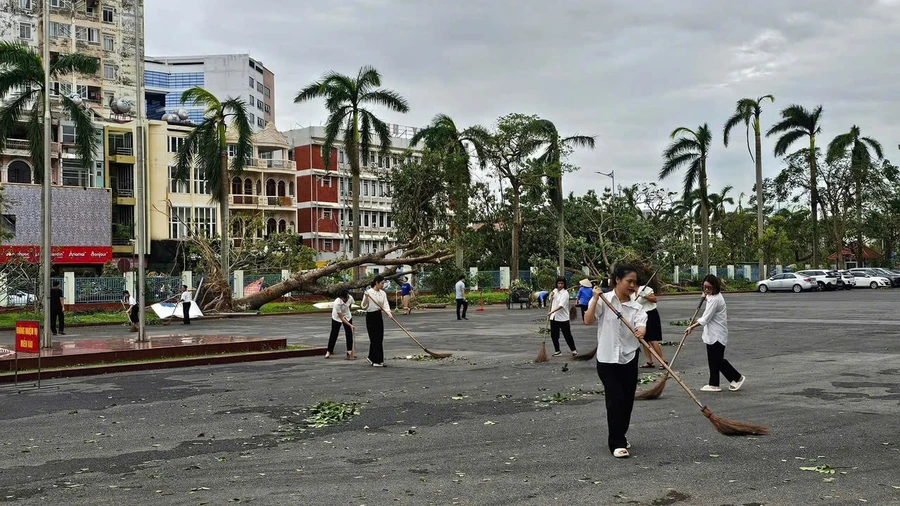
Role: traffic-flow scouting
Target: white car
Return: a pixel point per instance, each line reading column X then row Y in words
column 826, row 280
column 849, row 280
column 20, row 298
column 867, row 280
column 787, row 281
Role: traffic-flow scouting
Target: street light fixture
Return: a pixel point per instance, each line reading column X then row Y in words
column 611, row 174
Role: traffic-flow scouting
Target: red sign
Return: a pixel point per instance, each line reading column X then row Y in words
column 60, row 254
column 28, row 339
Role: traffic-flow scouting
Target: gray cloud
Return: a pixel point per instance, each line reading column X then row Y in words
column 628, row 72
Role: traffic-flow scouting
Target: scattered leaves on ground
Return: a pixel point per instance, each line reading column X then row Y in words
column 650, row 378
column 680, row 323
column 557, row 398
column 824, row 469
column 327, row 413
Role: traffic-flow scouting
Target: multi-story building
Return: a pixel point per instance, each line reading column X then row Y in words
column 266, row 190
column 232, row 75
column 324, row 194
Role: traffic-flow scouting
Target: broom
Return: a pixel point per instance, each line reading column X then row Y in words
column 542, row 355
column 657, row 389
column 593, row 352
column 723, row 425
column 426, row 350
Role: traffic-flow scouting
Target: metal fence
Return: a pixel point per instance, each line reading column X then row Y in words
column 98, row 289
column 157, row 288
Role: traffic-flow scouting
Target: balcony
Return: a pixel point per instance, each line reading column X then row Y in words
column 266, row 165
column 21, row 147
column 122, row 151
column 260, row 201
column 280, row 164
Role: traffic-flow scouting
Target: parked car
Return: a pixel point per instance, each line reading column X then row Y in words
column 826, row 280
column 892, row 276
column 848, row 279
column 20, row 298
column 864, row 279
column 787, row 281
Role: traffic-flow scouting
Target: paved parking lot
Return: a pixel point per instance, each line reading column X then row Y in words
column 822, row 370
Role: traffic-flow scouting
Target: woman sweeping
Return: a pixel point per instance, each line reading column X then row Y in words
column 647, row 298
column 585, row 292
column 715, row 335
column 617, row 353
column 341, row 316
column 559, row 318
column 374, row 302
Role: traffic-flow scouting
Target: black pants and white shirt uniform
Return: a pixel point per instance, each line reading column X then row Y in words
column 559, row 321
column 341, row 308
column 186, row 306
column 715, row 336
column 617, row 361
column 375, row 323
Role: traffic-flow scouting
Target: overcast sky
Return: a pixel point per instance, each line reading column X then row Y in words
column 626, row 71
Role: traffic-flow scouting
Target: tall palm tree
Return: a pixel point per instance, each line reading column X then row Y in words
column 717, row 203
column 690, row 149
column 22, row 80
column 346, row 98
column 860, row 166
column 798, row 122
column 747, row 111
column 442, row 136
column 206, row 148
column 551, row 158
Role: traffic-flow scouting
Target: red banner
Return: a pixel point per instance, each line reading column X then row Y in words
column 60, row 254
column 28, row 338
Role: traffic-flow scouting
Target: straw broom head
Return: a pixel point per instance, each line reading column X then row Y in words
column 542, row 355
column 733, row 427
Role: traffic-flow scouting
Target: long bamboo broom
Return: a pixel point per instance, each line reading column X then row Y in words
column 723, row 425
column 542, row 355
column 426, row 350
column 593, row 352
column 657, row 389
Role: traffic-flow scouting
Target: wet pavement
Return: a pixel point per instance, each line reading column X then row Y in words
column 484, row 427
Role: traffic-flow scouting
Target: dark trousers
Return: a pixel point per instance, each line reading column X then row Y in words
column 375, row 329
column 133, row 314
column 332, row 338
column 583, row 309
column 619, row 384
column 464, row 304
column 566, row 329
column 715, row 355
column 186, row 306
column 57, row 317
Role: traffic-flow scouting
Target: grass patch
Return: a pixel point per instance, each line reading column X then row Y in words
column 474, row 298
column 8, row 320
column 288, row 307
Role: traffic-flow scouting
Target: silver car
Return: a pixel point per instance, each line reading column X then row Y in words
column 787, row 281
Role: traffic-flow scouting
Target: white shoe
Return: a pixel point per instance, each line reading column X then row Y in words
column 710, row 388
column 327, row 354
column 621, row 453
column 736, row 385
column 574, row 353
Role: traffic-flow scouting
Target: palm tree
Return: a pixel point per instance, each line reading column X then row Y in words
column 747, row 111
column 345, row 98
column 690, row 149
column 860, row 166
column 717, row 203
column 442, row 136
column 798, row 122
column 551, row 158
column 206, row 148
column 22, row 80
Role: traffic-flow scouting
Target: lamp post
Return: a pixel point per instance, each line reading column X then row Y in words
column 139, row 187
column 46, row 240
column 611, row 174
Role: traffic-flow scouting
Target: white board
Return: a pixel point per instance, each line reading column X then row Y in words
column 171, row 309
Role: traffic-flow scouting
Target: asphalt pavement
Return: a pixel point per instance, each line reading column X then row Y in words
column 483, row 428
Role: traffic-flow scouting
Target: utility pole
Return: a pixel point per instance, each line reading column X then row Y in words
column 46, row 256
column 139, row 187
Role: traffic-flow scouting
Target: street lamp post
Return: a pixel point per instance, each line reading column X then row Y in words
column 610, row 174
column 46, row 257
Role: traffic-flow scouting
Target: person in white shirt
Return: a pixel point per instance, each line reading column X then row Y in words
column 186, row 304
column 341, row 316
column 618, row 352
column 374, row 302
column 647, row 298
column 715, row 335
column 559, row 318
column 461, row 302
column 132, row 309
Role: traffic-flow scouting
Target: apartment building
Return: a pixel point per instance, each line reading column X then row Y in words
column 231, row 75
column 324, row 194
column 266, row 190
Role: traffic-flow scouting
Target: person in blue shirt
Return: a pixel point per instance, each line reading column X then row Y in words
column 585, row 293
column 406, row 294
column 542, row 298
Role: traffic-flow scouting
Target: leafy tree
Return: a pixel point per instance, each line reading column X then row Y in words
column 346, row 99
column 691, row 151
column 206, row 149
column 798, row 122
column 22, row 82
column 420, row 194
column 747, row 111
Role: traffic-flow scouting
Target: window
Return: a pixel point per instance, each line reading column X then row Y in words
column 82, row 91
column 365, row 188
column 267, row 108
column 340, row 154
column 9, row 224
column 25, row 4
column 60, row 30
column 259, row 104
column 268, row 92
column 372, row 158
column 232, row 150
column 252, row 100
column 109, row 43
column 326, row 214
column 326, row 182
column 251, row 117
column 68, row 134
column 176, row 186
column 109, row 71
column 381, row 220
column 252, row 83
column 74, row 173
column 201, row 186
column 108, row 14
column 388, row 220
column 56, row 3
column 327, row 245
column 380, row 189
column 25, row 31
column 175, row 144
column 93, row 36
column 365, row 219
column 205, row 221
column 261, row 122
column 259, row 87
column 179, row 221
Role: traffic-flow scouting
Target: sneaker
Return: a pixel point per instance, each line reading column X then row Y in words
column 736, row 385
column 574, row 353
column 710, row 388
column 556, row 354
column 378, row 365
column 327, row 354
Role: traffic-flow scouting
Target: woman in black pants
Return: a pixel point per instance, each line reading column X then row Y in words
column 559, row 318
column 618, row 352
column 715, row 335
column 374, row 302
column 341, row 317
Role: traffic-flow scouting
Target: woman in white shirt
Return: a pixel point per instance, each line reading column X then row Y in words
column 715, row 335
column 618, row 352
column 341, row 315
column 559, row 318
column 373, row 298
column 186, row 304
column 647, row 298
